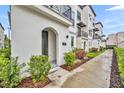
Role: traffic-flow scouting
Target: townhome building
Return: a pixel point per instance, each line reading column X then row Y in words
column 86, row 27
column 50, row 30
column 97, row 36
column 1, row 36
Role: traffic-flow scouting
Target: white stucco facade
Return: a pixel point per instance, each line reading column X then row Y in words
column 1, row 36
column 27, row 26
column 97, row 38
column 38, row 29
column 88, row 18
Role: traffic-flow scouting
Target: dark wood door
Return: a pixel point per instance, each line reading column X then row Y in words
column 45, row 43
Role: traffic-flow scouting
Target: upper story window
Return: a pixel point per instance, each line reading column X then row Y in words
column 90, row 17
column 73, row 17
column 78, row 15
column 93, row 24
column 79, row 29
column 90, row 32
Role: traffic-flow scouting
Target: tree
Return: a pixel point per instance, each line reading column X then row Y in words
column 6, row 42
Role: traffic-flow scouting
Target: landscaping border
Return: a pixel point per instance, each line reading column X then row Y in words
column 115, row 78
column 28, row 83
column 76, row 65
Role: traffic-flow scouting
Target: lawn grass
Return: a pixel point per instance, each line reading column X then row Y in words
column 93, row 54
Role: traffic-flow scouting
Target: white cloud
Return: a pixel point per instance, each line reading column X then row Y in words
column 118, row 7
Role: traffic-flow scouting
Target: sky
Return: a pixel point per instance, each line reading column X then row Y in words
column 4, row 17
column 112, row 17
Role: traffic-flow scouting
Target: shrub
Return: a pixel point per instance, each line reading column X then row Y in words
column 69, row 58
column 80, row 54
column 6, row 53
column 39, row 67
column 9, row 72
column 93, row 49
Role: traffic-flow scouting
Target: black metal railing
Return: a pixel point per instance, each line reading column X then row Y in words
column 82, row 33
column 63, row 10
column 96, row 37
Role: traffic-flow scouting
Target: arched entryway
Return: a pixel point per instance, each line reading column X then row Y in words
column 49, row 44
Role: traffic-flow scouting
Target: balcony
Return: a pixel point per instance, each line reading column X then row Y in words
column 95, row 29
column 96, row 36
column 60, row 13
column 63, row 10
column 81, row 24
column 83, row 33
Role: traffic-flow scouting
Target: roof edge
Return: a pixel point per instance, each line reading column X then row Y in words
column 99, row 23
column 2, row 27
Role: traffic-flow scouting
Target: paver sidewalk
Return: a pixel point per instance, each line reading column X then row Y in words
column 93, row 74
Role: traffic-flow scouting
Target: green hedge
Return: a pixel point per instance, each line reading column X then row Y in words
column 120, row 59
column 110, row 46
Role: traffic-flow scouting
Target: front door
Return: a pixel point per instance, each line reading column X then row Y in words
column 45, row 43
column 84, row 45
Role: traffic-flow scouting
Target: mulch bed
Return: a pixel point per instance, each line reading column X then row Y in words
column 70, row 68
column 115, row 79
column 27, row 83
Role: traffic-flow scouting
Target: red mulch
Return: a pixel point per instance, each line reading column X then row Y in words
column 28, row 83
column 70, row 68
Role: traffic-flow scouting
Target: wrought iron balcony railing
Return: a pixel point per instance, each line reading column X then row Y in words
column 63, row 10
column 83, row 33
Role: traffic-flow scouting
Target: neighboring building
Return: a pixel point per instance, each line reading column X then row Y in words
column 98, row 36
column 111, row 40
column 50, row 30
column 116, row 39
column 1, row 36
column 120, row 39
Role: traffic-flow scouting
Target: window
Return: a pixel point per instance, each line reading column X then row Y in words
column 90, row 32
column 73, row 17
column 72, row 41
column 93, row 24
column 79, row 31
column 78, row 15
column 90, row 17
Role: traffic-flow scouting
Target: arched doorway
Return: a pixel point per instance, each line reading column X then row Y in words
column 49, row 45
